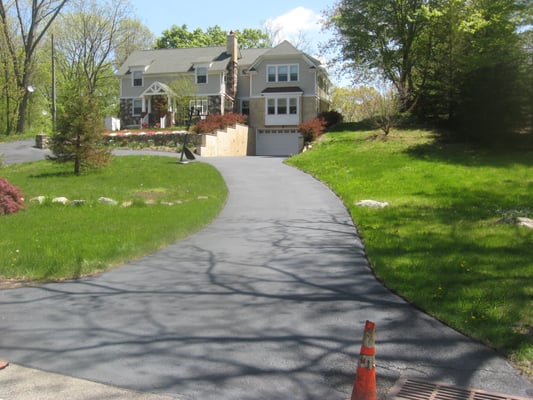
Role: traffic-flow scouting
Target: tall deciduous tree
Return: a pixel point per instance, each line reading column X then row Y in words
column 135, row 36
column 181, row 37
column 85, row 40
column 92, row 38
column 381, row 36
column 24, row 25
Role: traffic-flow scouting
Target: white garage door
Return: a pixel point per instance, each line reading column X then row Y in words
column 278, row 142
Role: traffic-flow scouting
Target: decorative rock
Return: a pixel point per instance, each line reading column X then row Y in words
column 107, row 200
column 61, row 200
column 127, row 203
column 77, row 203
column 527, row 222
column 203, row 197
column 38, row 199
column 372, row 204
column 521, row 221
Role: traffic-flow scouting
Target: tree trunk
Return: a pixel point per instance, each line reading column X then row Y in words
column 22, row 107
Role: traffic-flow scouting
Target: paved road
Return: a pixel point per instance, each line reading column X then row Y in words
column 267, row 302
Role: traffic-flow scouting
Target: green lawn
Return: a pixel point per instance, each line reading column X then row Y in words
column 53, row 241
column 439, row 243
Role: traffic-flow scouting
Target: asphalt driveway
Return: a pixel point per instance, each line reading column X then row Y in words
column 267, row 302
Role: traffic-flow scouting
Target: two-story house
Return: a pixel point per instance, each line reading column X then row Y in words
column 278, row 88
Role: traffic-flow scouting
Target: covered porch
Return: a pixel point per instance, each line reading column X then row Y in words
column 158, row 106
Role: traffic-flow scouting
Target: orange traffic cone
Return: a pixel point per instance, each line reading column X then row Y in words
column 364, row 387
column 3, row 363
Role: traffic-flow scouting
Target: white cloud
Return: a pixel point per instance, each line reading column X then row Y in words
column 294, row 24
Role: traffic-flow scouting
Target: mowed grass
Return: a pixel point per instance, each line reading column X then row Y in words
column 159, row 201
column 440, row 243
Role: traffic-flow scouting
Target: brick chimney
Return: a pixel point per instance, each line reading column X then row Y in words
column 232, row 46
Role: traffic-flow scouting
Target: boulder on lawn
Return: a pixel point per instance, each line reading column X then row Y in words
column 372, row 203
column 107, row 200
column 60, row 200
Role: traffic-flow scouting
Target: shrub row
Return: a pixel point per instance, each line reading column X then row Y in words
column 217, row 121
column 166, row 139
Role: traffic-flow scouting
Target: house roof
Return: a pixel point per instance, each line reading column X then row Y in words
column 165, row 61
column 168, row 61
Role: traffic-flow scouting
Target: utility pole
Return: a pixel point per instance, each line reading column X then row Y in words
column 54, row 108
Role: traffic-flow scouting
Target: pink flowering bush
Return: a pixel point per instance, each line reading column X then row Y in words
column 11, row 199
column 217, row 121
column 312, row 129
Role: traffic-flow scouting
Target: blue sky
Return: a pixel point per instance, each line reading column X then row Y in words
column 291, row 17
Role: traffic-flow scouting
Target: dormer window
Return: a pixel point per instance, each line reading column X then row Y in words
column 201, row 75
column 137, row 77
column 283, row 73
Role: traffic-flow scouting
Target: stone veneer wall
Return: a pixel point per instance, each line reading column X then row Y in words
column 126, row 108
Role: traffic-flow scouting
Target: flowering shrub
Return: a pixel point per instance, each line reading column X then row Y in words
column 312, row 129
column 217, row 121
column 11, row 199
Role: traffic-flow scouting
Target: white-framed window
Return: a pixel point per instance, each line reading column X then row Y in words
column 198, row 106
column 201, row 74
column 137, row 78
column 282, row 106
column 283, row 73
column 282, row 110
column 137, row 107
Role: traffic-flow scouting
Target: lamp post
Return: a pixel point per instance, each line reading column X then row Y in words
column 185, row 152
column 30, row 90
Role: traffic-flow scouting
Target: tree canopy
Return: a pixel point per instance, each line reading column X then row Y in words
column 182, row 37
column 458, row 61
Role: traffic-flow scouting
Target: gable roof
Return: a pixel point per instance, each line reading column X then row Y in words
column 286, row 50
column 166, row 61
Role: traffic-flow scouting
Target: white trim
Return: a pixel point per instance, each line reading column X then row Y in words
column 157, row 88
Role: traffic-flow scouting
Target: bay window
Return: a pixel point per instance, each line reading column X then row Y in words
column 282, row 110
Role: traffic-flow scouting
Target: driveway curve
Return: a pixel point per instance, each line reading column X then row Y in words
column 267, row 302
